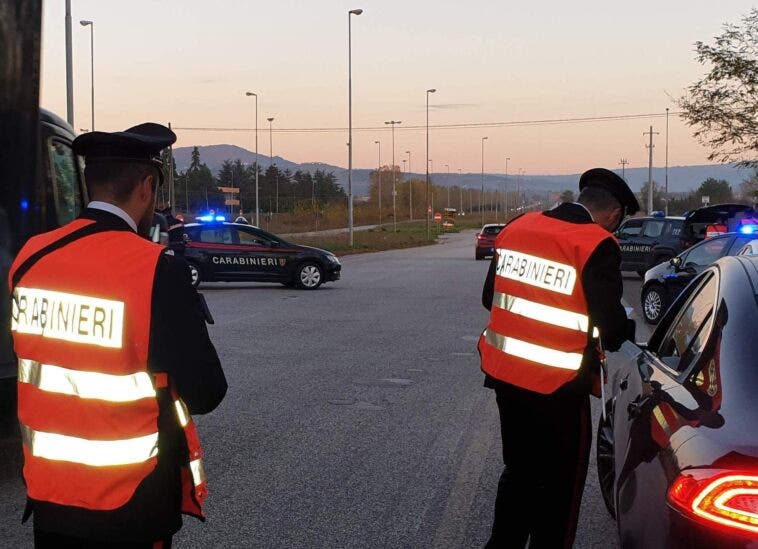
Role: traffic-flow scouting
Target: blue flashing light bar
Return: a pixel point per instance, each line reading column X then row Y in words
column 205, row 218
column 749, row 229
column 220, row 218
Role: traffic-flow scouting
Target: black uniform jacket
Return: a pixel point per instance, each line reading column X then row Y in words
column 180, row 346
column 603, row 288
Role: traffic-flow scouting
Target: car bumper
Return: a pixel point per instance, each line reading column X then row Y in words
column 333, row 273
column 688, row 533
column 488, row 249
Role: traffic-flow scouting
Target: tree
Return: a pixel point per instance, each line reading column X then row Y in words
column 568, row 196
column 749, row 189
column 717, row 191
column 723, row 105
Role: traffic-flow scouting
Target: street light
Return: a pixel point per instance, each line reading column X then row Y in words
column 271, row 160
column 379, row 177
column 507, row 158
column 448, row 184
column 257, row 209
column 410, row 185
column 481, row 199
column 91, row 25
column 69, row 68
column 428, row 206
column 350, row 123
column 394, row 123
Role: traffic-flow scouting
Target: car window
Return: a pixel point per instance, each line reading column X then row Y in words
column 654, row 229
column 492, row 230
column 689, row 333
column 67, row 192
column 631, row 228
column 675, row 228
column 218, row 235
column 251, row 239
column 738, row 244
column 707, row 252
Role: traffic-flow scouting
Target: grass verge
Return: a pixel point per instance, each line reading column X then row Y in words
column 408, row 235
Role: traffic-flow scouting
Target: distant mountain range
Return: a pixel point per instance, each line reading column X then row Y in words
column 681, row 178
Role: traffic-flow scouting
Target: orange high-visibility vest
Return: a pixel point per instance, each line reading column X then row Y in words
column 539, row 326
column 87, row 404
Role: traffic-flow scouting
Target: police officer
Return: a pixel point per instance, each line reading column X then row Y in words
column 554, row 291
column 114, row 356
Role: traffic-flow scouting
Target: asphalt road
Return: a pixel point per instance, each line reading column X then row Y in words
column 356, row 415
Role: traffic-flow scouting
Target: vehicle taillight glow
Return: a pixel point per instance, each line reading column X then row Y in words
column 718, row 497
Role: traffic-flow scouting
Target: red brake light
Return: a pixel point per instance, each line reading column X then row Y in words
column 718, row 497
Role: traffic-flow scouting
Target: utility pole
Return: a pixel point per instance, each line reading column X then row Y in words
column 650, row 184
column 349, row 124
column 428, row 205
column 379, row 178
column 448, row 184
column 257, row 209
column 394, row 123
column 171, row 192
column 482, row 198
column 666, row 184
column 460, row 188
column 410, row 185
column 623, row 163
column 271, row 158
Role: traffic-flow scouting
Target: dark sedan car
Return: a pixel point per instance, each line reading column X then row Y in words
column 220, row 251
column 663, row 283
column 677, row 454
column 649, row 241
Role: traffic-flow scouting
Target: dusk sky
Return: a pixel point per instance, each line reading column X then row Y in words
column 190, row 62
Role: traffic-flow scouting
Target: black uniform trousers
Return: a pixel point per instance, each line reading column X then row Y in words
column 546, row 445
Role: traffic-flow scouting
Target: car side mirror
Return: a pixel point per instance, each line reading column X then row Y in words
column 646, row 371
column 675, row 262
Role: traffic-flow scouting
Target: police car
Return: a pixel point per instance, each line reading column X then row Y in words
column 220, row 251
column 649, row 241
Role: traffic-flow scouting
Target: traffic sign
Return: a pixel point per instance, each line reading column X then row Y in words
column 437, row 217
column 229, row 190
column 231, row 202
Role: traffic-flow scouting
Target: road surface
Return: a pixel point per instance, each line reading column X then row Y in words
column 356, row 415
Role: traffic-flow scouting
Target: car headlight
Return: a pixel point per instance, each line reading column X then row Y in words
column 333, row 259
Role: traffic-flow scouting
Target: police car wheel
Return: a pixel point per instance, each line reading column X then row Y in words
column 605, row 454
column 309, row 276
column 194, row 274
column 653, row 303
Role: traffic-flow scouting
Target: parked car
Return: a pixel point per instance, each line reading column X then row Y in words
column 485, row 240
column 662, row 284
column 677, row 452
column 697, row 221
column 648, row 241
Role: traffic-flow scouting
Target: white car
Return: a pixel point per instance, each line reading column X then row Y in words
column 751, row 248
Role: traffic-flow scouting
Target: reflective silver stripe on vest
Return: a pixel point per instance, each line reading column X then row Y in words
column 97, row 453
column 535, row 353
column 198, row 471
column 91, row 385
column 543, row 313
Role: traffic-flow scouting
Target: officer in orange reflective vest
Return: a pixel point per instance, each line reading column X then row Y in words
column 554, row 291
column 114, row 357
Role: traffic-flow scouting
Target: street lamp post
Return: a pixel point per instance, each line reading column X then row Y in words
column 460, row 188
column 91, row 25
column 410, row 186
column 257, row 209
column 394, row 123
column 507, row 158
column 428, row 206
column 350, row 123
column 448, row 184
column 271, row 158
column 379, row 177
column 69, row 68
column 481, row 200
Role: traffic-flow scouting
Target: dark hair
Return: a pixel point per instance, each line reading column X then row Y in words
column 598, row 199
column 117, row 179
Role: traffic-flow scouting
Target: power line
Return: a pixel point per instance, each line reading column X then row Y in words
column 468, row 125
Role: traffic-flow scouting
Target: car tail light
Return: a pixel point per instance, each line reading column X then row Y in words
column 725, row 498
column 479, row 237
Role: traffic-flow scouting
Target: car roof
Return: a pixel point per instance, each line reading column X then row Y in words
column 227, row 223
column 647, row 217
column 493, row 225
